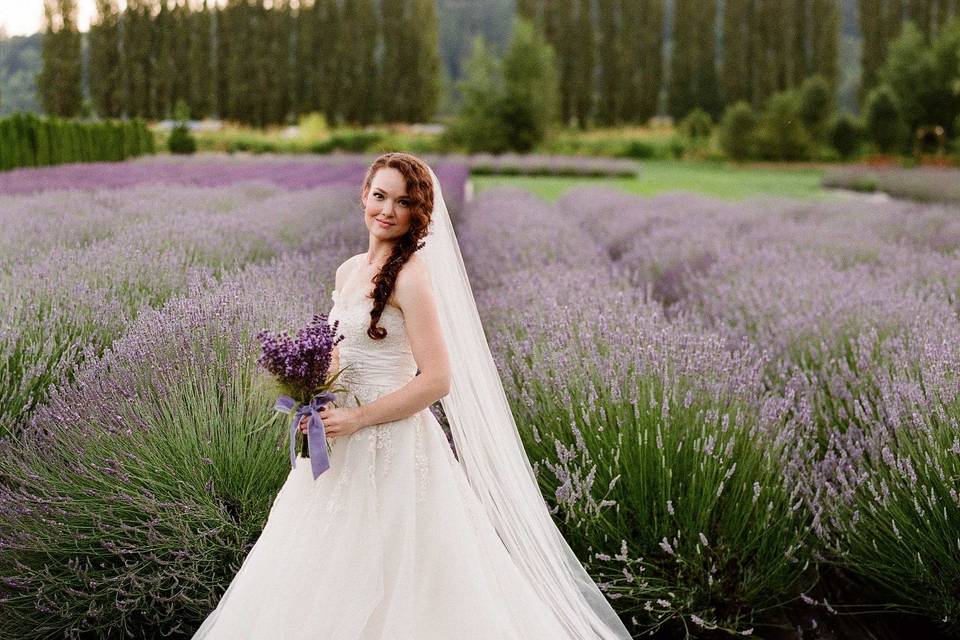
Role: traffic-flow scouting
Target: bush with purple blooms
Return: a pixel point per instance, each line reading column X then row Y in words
column 722, row 400
column 134, row 495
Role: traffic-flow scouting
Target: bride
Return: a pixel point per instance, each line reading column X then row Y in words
column 399, row 539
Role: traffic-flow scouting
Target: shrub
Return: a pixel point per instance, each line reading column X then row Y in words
column 656, row 470
column 696, row 127
column 816, row 106
column 780, row 133
column 181, row 140
column 738, row 131
column 145, row 497
column 883, row 121
column 844, row 134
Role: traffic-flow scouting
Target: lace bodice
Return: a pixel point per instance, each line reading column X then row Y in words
column 376, row 367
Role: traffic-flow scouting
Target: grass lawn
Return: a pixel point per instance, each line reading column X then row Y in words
column 712, row 179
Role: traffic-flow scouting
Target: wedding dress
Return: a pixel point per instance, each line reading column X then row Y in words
column 390, row 542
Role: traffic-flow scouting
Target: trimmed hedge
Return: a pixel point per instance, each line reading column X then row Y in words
column 28, row 140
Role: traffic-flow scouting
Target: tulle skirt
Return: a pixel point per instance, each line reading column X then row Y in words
column 389, row 543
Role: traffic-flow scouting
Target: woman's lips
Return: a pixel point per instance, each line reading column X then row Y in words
column 384, row 224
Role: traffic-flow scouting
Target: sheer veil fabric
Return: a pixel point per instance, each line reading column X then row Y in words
column 491, row 452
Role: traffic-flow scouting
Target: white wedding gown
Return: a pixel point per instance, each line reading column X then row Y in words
column 390, row 543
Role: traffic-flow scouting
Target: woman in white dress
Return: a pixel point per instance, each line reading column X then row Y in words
column 395, row 541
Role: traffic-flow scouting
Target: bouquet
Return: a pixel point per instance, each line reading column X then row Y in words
column 299, row 366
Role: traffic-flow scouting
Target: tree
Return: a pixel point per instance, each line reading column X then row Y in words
column 610, row 68
column 883, row 120
column 581, row 92
column 59, row 83
column 816, row 106
column 910, row 74
column 104, row 64
column 738, row 130
column 477, row 125
column 532, row 96
column 737, row 54
column 780, row 133
column 642, row 46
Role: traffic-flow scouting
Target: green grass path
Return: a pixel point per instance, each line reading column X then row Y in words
column 711, row 179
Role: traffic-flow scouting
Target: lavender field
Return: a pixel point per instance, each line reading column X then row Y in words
column 743, row 414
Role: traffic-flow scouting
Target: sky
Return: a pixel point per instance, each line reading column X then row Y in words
column 23, row 17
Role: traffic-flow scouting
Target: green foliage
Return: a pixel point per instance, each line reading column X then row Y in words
column 816, row 106
column 477, row 127
column 181, row 112
column 738, row 131
column 696, row 127
column 884, row 122
column 59, row 84
column 678, row 503
column 780, row 132
column 511, row 104
column 923, row 76
column 530, row 107
column 845, row 133
column 27, row 140
column 181, row 140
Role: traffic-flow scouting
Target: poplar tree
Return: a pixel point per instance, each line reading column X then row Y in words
column 693, row 76
column 582, row 84
column 610, row 62
column 427, row 79
column 202, row 62
column 736, row 67
column 59, row 82
column 161, row 95
column 137, row 64
column 105, row 60
column 825, row 42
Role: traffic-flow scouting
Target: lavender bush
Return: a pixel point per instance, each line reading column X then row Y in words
column 646, row 437
column 136, row 249
column 928, row 184
column 137, row 491
column 718, row 397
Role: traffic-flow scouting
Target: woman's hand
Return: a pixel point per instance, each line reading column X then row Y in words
column 337, row 421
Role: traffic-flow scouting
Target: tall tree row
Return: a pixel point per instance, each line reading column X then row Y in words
column 880, row 23
column 772, row 45
column 356, row 61
column 59, row 84
column 693, row 70
column 609, row 54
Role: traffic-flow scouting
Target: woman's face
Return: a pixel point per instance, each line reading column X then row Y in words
column 387, row 207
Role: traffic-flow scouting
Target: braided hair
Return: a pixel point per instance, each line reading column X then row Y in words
column 420, row 190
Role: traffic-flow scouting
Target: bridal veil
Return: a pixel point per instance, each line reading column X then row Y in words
column 491, row 452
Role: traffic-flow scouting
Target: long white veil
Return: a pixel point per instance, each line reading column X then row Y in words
column 491, row 452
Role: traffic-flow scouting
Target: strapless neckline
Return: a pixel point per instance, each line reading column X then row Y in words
column 339, row 301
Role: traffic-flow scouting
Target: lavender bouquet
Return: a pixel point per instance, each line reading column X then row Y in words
column 299, row 366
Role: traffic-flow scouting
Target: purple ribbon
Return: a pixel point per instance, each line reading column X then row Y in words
column 316, row 436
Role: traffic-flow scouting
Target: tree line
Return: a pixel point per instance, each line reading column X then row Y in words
column 356, row 61
column 362, row 61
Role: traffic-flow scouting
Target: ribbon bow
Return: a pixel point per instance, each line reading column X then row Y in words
column 316, row 436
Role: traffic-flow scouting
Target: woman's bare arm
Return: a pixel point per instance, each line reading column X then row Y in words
column 413, row 292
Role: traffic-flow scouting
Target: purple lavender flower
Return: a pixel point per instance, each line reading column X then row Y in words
column 300, row 363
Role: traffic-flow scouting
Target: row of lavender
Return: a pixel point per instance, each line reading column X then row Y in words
column 744, row 394
column 77, row 264
column 718, row 399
